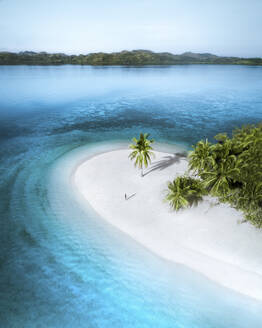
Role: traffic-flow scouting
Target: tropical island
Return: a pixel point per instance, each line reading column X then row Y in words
column 133, row 58
column 187, row 208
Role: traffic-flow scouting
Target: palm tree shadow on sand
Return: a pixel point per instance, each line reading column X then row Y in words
column 165, row 162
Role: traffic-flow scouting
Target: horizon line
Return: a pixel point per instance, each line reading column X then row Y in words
column 124, row 50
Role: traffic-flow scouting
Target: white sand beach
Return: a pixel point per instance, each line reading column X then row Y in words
column 207, row 238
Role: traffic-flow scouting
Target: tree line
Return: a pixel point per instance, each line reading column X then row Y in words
column 135, row 57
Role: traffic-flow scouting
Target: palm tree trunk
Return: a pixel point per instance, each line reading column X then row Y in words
column 142, row 174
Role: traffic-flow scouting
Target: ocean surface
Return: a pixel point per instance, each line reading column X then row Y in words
column 61, row 265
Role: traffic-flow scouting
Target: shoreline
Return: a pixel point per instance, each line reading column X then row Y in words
column 206, row 238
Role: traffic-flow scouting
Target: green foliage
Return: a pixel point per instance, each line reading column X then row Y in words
column 142, row 151
column 201, row 159
column 231, row 169
column 135, row 57
column 184, row 192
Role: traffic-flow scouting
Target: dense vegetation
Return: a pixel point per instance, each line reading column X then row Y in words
column 230, row 169
column 135, row 57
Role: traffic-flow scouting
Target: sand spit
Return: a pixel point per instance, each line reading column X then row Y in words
column 207, row 238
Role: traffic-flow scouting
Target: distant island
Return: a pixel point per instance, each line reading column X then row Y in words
column 132, row 58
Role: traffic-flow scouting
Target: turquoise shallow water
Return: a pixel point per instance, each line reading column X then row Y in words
column 60, row 264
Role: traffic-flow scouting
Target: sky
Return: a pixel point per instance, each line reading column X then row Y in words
column 222, row 27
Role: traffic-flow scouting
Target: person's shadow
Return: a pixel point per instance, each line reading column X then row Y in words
column 127, row 198
column 166, row 162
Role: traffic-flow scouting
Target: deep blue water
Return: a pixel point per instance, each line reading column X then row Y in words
column 62, row 265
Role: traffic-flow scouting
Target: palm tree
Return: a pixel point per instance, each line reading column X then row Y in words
column 225, row 170
column 142, row 151
column 218, row 182
column 200, row 159
column 184, row 192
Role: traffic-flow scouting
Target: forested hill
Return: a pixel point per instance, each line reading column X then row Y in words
column 135, row 57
